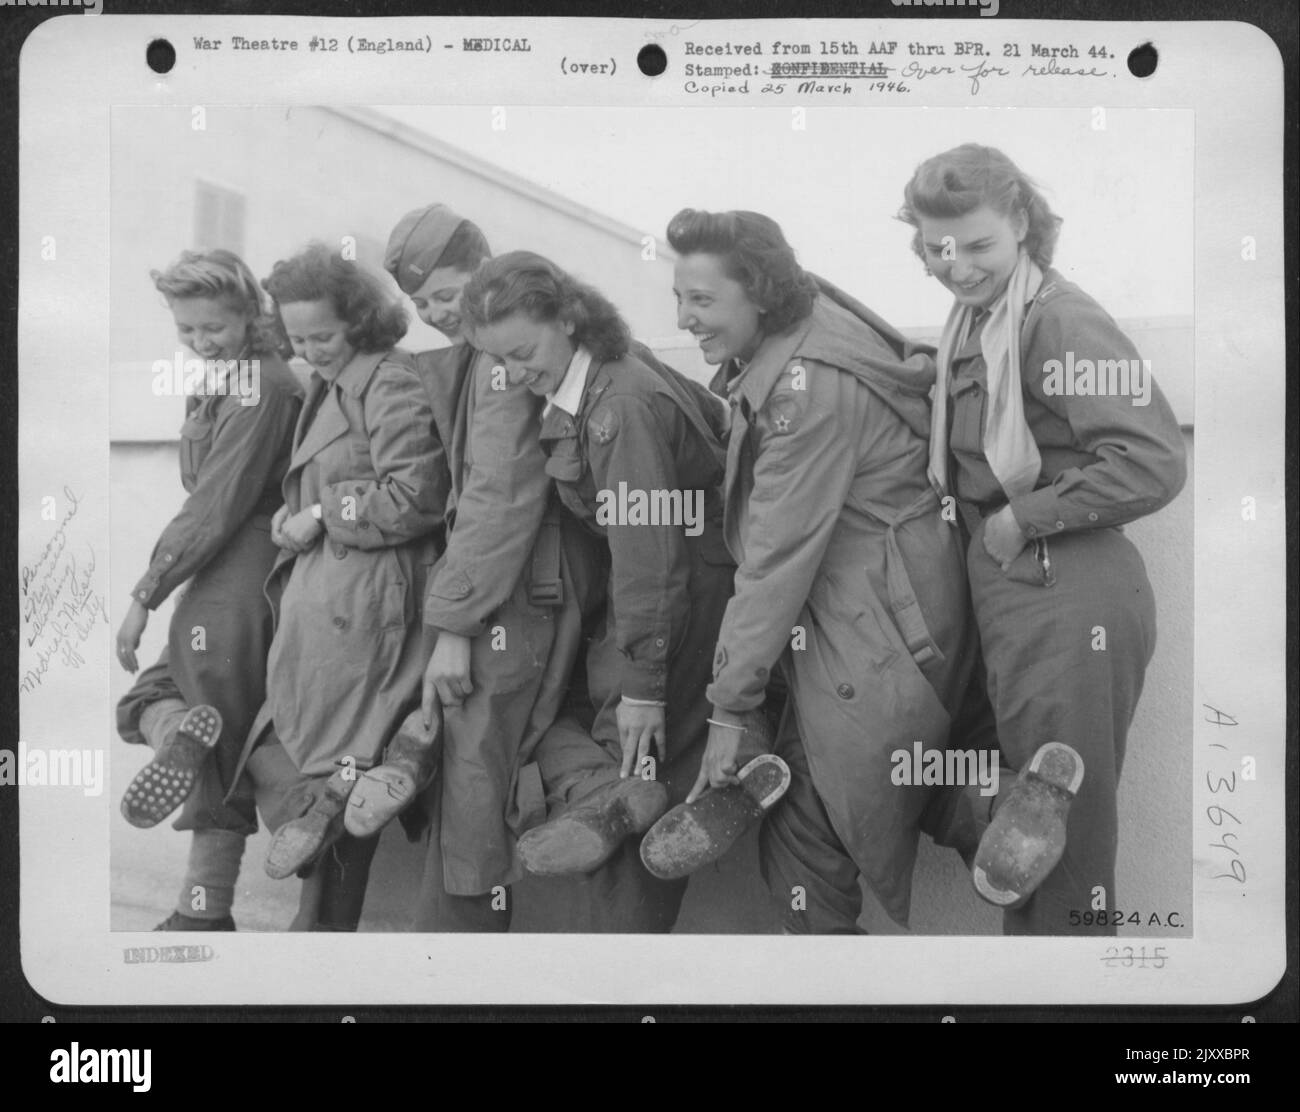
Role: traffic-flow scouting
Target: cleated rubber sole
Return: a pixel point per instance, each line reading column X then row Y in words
column 167, row 780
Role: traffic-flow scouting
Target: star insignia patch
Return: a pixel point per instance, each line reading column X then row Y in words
column 783, row 412
column 603, row 425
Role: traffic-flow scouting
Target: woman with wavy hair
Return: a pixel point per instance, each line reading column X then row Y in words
column 204, row 691
column 1051, row 434
column 360, row 526
column 850, row 582
column 634, row 451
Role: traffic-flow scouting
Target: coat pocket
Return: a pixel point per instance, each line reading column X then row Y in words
column 1033, row 566
column 196, row 443
column 565, row 466
column 967, row 433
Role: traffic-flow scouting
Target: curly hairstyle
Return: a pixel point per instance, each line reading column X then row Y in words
column 961, row 180
column 221, row 275
column 755, row 254
column 522, row 282
column 375, row 320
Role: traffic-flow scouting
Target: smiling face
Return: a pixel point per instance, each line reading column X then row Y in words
column 974, row 255
column 437, row 301
column 210, row 327
column 317, row 335
column 715, row 309
column 534, row 353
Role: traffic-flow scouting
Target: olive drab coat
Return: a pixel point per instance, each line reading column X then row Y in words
column 347, row 659
column 513, row 580
column 233, row 459
column 849, row 574
column 642, row 430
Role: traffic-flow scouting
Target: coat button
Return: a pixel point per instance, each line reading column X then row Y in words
column 845, row 691
column 340, row 623
column 1092, row 516
column 1060, row 524
column 659, row 642
column 168, row 558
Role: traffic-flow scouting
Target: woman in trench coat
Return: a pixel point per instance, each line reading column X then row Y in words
column 849, row 581
column 359, row 529
column 617, row 426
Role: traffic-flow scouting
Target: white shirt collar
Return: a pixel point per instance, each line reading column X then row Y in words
column 568, row 396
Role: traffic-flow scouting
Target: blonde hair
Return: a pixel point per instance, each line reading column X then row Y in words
column 221, row 275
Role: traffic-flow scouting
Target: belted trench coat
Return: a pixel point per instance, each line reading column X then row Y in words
column 849, row 573
column 347, row 658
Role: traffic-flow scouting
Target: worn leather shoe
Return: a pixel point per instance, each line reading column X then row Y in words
column 584, row 838
column 695, row 834
column 409, row 766
column 1026, row 837
column 300, row 841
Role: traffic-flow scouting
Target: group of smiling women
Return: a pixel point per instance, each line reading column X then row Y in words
column 415, row 603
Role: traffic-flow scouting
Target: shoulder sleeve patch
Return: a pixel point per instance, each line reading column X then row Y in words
column 602, row 425
column 783, row 412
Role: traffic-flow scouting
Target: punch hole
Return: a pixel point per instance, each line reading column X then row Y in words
column 651, row 60
column 161, row 56
column 1142, row 60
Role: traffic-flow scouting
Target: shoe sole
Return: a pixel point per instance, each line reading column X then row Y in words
column 167, row 780
column 380, row 796
column 693, row 835
column 584, row 839
column 1009, row 851
column 300, row 841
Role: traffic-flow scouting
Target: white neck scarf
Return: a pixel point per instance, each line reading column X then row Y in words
column 1009, row 446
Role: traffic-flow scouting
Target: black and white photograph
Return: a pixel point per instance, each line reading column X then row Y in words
column 762, row 517
column 602, row 652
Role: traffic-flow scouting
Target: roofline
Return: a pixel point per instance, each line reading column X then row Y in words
column 490, row 171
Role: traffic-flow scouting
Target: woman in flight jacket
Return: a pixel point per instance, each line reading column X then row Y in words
column 234, row 450
column 1051, row 433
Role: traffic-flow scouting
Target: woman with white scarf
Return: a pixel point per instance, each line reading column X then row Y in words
column 1045, row 472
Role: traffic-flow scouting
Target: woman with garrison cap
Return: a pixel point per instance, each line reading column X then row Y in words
column 503, row 605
